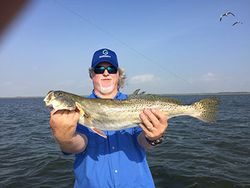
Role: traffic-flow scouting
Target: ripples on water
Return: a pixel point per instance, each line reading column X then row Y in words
column 194, row 154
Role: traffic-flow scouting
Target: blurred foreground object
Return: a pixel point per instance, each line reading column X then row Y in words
column 9, row 10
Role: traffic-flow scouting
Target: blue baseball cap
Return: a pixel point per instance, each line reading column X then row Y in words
column 104, row 55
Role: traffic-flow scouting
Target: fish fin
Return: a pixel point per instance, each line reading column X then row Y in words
column 207, row 108
column 143, row 95
column 80, row 108
column 85, row 118
column 154, row 98
column 136, row 94
column 99, row 132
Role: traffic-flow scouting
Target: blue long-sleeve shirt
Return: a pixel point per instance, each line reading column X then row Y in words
column 118, row 161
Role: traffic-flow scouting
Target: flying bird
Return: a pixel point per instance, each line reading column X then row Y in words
column 226, row 14
column 237, row 22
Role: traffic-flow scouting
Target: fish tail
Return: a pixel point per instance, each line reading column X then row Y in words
column 207, row 109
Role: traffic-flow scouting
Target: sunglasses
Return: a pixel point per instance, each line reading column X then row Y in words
column 101, row 69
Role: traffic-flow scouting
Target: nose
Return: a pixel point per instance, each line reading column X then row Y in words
column 106, row 73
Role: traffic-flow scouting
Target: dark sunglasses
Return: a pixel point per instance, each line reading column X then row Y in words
column 101, row 69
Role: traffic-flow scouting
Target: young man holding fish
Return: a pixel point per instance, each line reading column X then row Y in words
column 109, row 158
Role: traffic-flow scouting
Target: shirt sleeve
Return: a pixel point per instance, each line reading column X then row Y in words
column 82, row 129
column 137, row 130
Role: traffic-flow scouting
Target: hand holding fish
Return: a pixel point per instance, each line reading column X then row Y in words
column 63, row 124
column 154, row 123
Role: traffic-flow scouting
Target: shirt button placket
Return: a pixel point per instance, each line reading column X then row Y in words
column 113, row 148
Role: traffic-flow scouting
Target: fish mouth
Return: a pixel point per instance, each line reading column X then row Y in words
column 50, row 96
column 57, row 101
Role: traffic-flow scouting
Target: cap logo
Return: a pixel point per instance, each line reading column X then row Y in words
column 105, row 53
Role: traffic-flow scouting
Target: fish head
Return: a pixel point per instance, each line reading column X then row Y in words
column 59, row 100
column 49, row 97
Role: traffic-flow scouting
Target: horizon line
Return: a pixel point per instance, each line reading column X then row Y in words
column 202, row 93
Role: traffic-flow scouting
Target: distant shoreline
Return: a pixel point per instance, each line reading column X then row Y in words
column 169, row 94
column 218, row 93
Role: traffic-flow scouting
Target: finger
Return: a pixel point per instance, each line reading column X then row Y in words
column 64, row 113
column 160, row 124
column 163, row 124
column 153, row 119
column 61, row 112
column 53, row 112
column 144, row 128
column 69, row 114
column 145, row 120
column 151, row 116
column 76, row 116
column 159, row 115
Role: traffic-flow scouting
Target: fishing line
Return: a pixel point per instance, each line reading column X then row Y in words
column 122, row 42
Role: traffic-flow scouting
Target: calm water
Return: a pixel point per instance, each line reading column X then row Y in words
column 194, row 154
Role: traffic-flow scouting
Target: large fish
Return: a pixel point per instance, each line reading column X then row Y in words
column 109, row 114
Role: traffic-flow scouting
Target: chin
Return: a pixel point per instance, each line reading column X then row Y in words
column 106, row 90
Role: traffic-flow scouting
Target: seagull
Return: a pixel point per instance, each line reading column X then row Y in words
column 226, row 14
column 238, row 22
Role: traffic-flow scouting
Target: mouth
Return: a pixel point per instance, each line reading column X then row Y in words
column 106, row 79
column 106, row 83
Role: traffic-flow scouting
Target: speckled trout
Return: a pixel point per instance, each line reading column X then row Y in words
column 109, row 114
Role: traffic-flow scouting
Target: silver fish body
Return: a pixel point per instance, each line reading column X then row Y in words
column 109, row 114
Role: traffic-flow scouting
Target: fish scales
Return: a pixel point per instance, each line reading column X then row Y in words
column 109, row 114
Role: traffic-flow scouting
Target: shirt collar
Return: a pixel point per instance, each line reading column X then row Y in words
column 119, row 96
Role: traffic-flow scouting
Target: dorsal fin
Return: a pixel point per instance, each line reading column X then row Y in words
column 136, row 92
column 137, row 95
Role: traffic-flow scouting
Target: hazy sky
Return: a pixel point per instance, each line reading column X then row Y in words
column 165, row 46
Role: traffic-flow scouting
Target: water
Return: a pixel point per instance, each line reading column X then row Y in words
column 194, row 154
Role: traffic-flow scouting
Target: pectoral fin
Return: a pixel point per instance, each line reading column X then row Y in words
column 79, row 107
column 85, row 118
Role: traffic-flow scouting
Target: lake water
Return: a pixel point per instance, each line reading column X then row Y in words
column 194, row 154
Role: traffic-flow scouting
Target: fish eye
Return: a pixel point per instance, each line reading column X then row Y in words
column 58, row 94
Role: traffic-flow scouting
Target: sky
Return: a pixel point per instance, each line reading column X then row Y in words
column 165, row 46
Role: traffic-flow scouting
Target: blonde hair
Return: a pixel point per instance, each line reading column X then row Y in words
column 122, row 76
